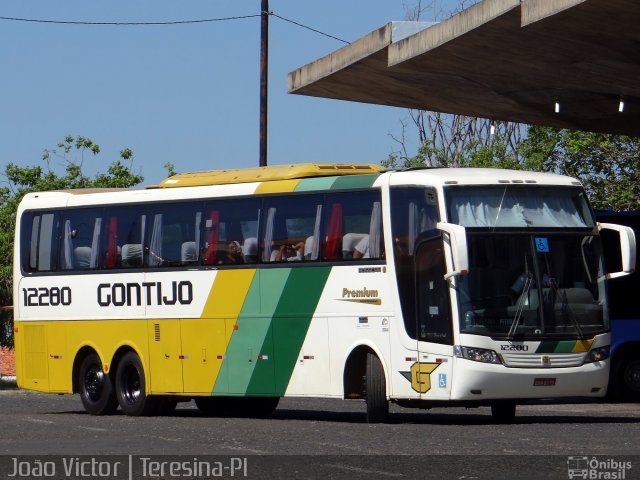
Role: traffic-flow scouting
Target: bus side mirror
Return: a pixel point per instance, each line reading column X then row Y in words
column 627, row 248
column 457, row 239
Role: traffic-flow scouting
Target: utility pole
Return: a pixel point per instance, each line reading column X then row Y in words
column 264, row 73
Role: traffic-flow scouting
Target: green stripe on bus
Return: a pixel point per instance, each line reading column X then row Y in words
column 565, row 346
column 251, row 344
column 547, row 347
column 290, row 323
column 354, row 181
column 313, row 184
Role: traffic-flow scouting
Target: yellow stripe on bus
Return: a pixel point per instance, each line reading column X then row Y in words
column 582, row 346
column 280, row 186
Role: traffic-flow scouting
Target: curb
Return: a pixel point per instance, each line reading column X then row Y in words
column 8, row 383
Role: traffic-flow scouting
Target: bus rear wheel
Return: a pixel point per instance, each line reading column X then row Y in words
column 131, row 387
column 96, row 388
column 376, row 391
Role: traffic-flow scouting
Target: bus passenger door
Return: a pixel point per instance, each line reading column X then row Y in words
column 431, row 376
column 165, row 356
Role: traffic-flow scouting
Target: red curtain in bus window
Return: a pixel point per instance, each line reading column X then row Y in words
column 334, row 237
column 212, row 238
column 112, row 243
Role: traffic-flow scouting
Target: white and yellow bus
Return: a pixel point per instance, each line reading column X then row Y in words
column 235, row 288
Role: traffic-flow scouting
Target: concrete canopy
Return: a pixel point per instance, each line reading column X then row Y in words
column 500, row 59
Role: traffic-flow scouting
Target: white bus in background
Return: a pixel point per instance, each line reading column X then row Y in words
column 427, row 287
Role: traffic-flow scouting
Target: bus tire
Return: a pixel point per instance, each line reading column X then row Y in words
column 503, row 412
column 96, row 387
column 131, row 387
column 375, row 391
column 627, row 379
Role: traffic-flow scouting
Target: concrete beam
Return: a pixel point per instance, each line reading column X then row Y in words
column 483, row 62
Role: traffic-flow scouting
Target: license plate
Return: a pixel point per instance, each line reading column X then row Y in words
column 544, row 382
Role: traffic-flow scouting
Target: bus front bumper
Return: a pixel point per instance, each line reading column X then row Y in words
column 484, row 381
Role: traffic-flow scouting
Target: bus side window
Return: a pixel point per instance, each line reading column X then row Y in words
column 125, row 237
column 81, row 231
column 174, row 235
column 41, row 242
column 354, row 227
column 293, row 224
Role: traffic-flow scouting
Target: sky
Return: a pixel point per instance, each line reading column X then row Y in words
column 185, row 94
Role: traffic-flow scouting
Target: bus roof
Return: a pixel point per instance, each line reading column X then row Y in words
column 482, row 176
column 267, row 174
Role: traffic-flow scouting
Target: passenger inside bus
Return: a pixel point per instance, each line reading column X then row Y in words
column 289, row 253
column 361, row 250
column 233, row 254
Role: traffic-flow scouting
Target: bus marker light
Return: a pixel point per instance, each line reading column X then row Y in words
column 411, row 359
column 308, row 357
column 263, row 357
column 235, row 327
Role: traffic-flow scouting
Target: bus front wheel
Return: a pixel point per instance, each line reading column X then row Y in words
column 376, row 391
column 131, row 387
column 96, row 388
column 626, row 374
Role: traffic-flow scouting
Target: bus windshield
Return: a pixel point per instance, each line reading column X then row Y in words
column 531, row 286
column 535, row 264
column 519, row 206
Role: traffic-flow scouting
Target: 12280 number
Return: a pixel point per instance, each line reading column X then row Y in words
column 46, row 297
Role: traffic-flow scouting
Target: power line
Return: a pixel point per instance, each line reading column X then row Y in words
column 128, row 24
column 171, row 22
column 309, row 28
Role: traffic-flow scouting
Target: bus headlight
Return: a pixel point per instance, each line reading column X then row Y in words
column 476, row 354
column 598, row 354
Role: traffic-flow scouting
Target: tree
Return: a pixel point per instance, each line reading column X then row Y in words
column 608, row 165
column 448, row 140
column 70, row 154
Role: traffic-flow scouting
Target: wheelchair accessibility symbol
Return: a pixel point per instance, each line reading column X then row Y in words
column 542, row 244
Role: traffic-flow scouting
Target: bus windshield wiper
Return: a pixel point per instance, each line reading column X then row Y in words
column 520, row 305
column 566, row 309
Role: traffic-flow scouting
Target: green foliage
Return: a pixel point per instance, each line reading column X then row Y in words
column 608, row 165
column 70, row 154
column 170, row 168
